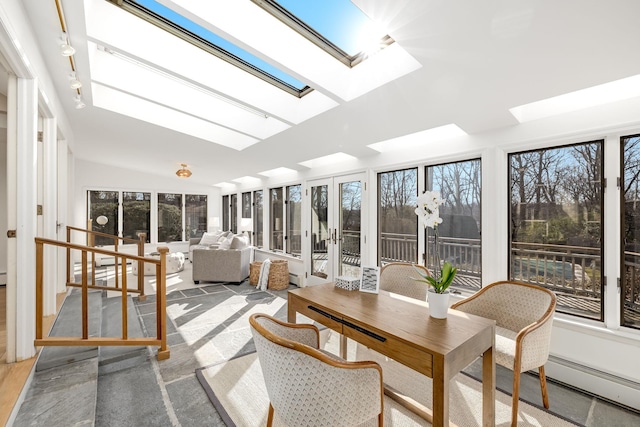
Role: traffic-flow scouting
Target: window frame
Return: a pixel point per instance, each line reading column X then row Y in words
column 601, row 248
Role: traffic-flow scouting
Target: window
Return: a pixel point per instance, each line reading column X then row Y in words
column 169, row 20
column 630, row 298
column 397, row 220
column 195, row 212
column 276, row 217
column 234, row 213
column 257, row 218
column 225, row 213
column 136, row 215
column 294, row 220
column 246, row 205
column 555, row 200
column 104, row 203
column 338, row 27
column 459, row 184
column 169, row 217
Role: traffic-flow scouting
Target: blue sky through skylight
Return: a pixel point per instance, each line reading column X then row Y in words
column 196, row 29
column 339, row 21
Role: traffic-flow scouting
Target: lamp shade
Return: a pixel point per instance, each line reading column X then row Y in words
column 184, row 172
column 102, row 220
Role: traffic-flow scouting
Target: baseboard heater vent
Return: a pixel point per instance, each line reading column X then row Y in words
column 596, row 372
column 294, row 279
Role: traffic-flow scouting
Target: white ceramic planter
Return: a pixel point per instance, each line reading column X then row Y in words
column 438, row 304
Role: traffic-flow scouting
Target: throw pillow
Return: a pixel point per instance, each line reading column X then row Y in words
column 225, row 243
column 209, row 239
column 239, row 242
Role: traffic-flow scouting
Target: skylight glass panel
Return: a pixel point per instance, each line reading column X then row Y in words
column 339, row 21
column 189, row 27
column 337, row 26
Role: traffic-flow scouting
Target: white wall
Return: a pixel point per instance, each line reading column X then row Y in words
column 3, row 204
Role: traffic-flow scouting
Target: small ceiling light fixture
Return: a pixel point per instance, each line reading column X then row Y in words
column 65, row 48
column 74, row 83
column 184, row 172
column 79, row 102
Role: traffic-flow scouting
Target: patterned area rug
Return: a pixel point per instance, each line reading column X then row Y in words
column 236, row 388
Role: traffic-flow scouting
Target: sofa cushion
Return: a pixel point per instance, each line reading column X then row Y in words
column 239, row 242
column 225, row 242
column 209, row 239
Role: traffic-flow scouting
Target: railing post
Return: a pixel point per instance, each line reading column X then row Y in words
column 125, row 324
column 69, row 255
column 85, row 298
column 161, row 303
column 142, row 239
column 39, row 288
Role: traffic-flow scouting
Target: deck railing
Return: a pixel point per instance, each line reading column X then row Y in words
column 88, row 253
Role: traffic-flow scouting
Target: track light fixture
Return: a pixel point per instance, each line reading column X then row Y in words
column 79, row 102
column 65, row 47
column 184, row 172
column 74, row 83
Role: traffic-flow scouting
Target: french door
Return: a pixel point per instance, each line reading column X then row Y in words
column 336, row 237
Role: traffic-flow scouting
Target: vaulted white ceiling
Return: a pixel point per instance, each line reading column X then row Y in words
column 154, row 101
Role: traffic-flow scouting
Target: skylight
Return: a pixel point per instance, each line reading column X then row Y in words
column 169, row 20
column 337, row 26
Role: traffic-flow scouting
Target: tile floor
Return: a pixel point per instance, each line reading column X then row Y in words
column 208, row 323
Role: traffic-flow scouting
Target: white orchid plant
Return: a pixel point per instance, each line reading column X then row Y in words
column 428, row 212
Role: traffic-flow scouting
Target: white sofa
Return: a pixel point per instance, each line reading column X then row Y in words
column 225, row 261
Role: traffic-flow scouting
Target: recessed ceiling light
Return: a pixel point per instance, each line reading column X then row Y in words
column 605, row 93
column 418, row 139
column 327, row 160
column 277, row 172
column 224, row 184
column 246, row 179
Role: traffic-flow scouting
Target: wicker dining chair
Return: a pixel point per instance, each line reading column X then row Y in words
column 524, row 316
column 310, row 387
column 399, row 278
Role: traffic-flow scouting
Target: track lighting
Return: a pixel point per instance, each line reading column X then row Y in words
column 65, row 48
column 79, row 102
column 74, row 83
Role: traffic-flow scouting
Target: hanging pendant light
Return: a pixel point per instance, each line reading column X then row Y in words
column 184, row 172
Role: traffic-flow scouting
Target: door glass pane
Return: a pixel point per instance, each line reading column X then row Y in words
column 556, row 224
column 246, row 205
column 294, row 219
column 459, row 233
column 631, row 232
column 319, row 230
column 257, row 218
column 234, row 213
column 275, row 225
column 136, row 215
column 225, row 213
column 349, row 228
column 104, row 203
column 169, row 217
column 397, row 219
column 195, row 213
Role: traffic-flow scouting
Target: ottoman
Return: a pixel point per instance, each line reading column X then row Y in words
column 175, row 263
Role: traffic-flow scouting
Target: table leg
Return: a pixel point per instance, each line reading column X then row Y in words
column 489, row 388
column 440, row 394
column 343, row 347
column 291, row 312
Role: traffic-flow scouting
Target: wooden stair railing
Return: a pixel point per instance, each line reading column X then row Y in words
column 117, row 241
column 160, row 339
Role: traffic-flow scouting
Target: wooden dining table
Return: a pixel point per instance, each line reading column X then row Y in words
column 404, row 331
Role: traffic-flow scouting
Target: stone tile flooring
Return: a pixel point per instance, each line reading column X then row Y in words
column 208, row 323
